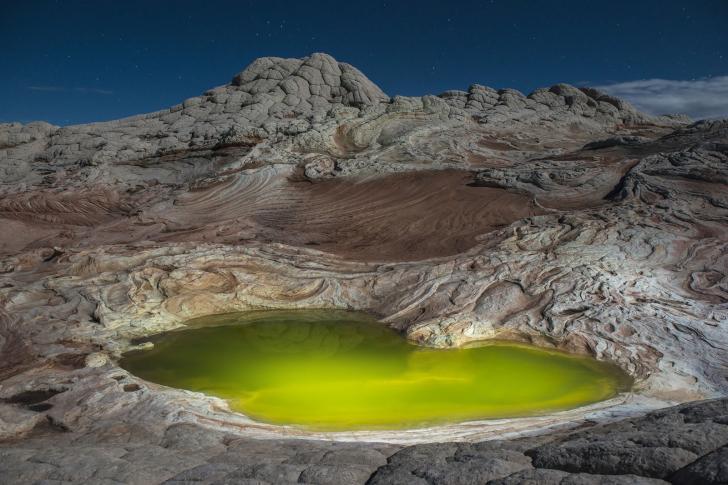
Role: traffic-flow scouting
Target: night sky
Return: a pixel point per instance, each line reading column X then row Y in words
column 81, row 61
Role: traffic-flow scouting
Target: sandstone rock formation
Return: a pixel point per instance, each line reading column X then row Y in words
column 565, row 218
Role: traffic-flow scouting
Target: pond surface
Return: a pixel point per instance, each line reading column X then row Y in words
column 332, row 370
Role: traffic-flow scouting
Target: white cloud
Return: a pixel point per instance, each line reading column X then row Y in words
column 93, row 90
column 49, row 89
column 61, row 89
column 699, row 98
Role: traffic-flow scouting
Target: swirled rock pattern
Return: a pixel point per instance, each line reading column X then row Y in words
column 564, row 218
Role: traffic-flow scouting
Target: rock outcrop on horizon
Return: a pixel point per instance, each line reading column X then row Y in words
column 565, row 218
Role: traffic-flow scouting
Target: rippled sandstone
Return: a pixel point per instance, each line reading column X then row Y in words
column 564, row 218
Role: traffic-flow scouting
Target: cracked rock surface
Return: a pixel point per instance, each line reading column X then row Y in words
column 563, row 218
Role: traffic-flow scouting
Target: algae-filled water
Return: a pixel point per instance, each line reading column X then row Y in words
column 332, row 370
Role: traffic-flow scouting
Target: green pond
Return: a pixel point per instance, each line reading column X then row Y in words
column 333, row 370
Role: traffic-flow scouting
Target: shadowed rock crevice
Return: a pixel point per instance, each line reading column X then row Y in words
column 32, row 397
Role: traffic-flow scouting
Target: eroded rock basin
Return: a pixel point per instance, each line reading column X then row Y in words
column 333, row 370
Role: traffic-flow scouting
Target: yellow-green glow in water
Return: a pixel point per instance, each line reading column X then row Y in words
column 330, row 370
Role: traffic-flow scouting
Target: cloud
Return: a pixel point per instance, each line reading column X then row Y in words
column 699, row 98
column 49, row 89
column 61, row 89
column 93, row 90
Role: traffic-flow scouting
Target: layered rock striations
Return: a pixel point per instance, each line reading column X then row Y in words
column 565, row 218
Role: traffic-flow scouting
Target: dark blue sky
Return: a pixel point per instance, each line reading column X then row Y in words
column 82, row 61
